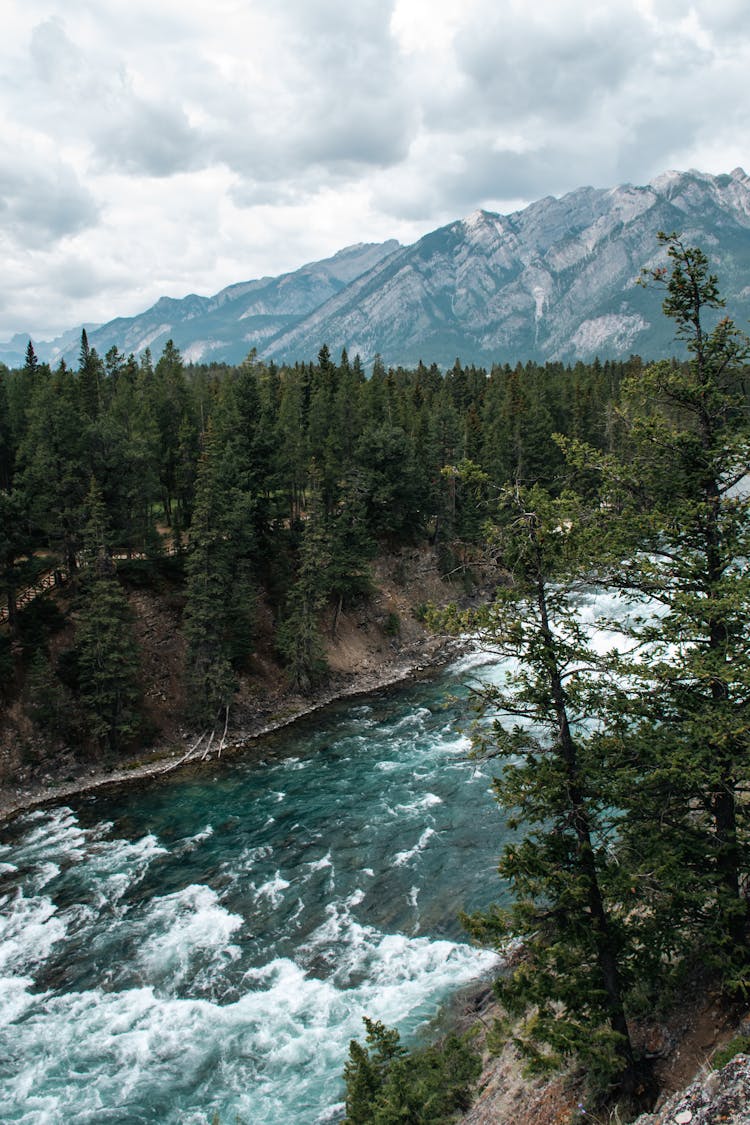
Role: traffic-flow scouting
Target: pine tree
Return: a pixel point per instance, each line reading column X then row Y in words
column 90, row 378
column 106, row 655
column 219, row 597
column 679, row 517
column 53, row 459
column 570, row 986
column 299, row 638
column 386, row 1085
column 15, row 541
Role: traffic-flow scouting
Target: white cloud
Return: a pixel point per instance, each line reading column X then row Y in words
column 174, row 147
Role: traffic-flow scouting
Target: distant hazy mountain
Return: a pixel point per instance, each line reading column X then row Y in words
column 223, row 327
column 556, row 280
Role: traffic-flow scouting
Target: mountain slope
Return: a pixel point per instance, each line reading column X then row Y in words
column 240, row 317
column 555, row 281
column 225, row 326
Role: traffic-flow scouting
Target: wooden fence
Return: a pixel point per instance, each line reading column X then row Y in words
column 59, row 575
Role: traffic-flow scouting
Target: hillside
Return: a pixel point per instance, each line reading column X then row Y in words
column 373, row 644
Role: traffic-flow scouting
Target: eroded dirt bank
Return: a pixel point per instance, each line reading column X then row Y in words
column 376, row 644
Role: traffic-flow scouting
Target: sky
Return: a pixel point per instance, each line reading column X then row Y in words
column 163, row 147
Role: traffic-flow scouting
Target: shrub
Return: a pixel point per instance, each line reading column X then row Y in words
column 740, row 1045
column 386, row 1085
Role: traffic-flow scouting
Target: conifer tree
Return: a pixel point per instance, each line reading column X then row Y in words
column 90, row 378
column 570, row 986
column 53, row 459
column 15, row 542
column 676, row 505
column 299, row 639
column 218, row 593
column 106, row 655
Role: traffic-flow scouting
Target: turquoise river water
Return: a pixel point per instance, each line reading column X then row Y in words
column 210, row 942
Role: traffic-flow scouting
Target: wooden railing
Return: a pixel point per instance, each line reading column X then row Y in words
column 59, row 575
column 44, row 582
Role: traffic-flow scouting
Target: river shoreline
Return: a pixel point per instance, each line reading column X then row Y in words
column 164, row 759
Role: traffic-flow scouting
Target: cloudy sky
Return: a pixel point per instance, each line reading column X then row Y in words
column 156, row 147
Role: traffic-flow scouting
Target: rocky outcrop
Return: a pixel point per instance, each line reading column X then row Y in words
column 555, row 281
column 720, row 1098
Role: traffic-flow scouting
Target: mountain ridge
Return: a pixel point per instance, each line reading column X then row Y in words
column 553, row 281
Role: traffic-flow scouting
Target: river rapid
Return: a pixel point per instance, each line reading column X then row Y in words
column 209, row 943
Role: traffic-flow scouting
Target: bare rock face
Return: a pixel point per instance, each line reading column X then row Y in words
column 721, row 1098
column 555, row 281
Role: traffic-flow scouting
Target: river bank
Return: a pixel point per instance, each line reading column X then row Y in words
column 274, row 712
column 369, row 646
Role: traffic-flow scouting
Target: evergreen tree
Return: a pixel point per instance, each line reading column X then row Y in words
column 106, row 656
column 299, row 639
column 90, row 378
column 219, row 597
column 15, row 542
column 679, row 516
column 570, row 984
column 391, row 492
column 53, row 459
column 177, row 431
column 7, row 452
column 385, row 1085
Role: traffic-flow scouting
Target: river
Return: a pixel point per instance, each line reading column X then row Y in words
column 208, row 943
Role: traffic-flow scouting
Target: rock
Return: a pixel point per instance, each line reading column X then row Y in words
column 721, row 1098
column 659, row 1042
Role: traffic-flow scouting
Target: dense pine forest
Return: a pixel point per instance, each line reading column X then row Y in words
column 626, row 769
column 239, row 482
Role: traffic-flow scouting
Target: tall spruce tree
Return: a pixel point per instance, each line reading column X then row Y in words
column 15, row 542
column 219, row 598
column 299, row 639
column 106, row 655
column 569, row 988
column 678, row 512
column 53, row 458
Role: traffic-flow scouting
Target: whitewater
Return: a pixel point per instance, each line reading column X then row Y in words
column 209, row 943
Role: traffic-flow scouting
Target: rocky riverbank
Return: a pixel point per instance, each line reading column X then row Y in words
column 278, row 710
column 373, row 645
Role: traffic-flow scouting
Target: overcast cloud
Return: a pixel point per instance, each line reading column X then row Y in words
column 174, row 146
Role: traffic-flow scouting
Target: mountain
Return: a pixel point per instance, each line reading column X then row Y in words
column 223, row 327
column 556, row 280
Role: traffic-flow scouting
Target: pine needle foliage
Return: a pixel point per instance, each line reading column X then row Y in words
column 386, row 1085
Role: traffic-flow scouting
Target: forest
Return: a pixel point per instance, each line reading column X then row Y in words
column 236, row 482
column 626, row 770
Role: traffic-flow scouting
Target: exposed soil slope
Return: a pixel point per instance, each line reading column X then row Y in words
column 376, row 643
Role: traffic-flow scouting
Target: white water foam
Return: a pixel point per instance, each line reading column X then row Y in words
column 29, row 928
column 274, row 889
column 478, row 657
column 428, row 801
column 415, row 718
column 190, row 843
column 184, row 926
column 320, row 864
column 402, row 858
